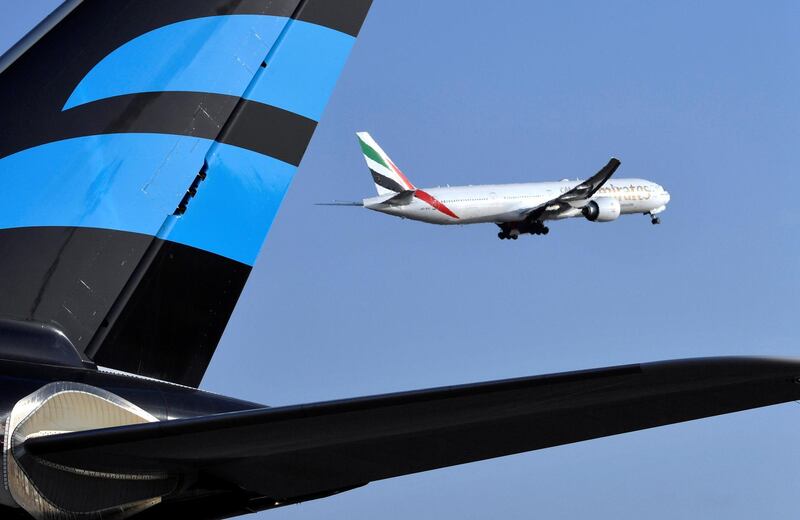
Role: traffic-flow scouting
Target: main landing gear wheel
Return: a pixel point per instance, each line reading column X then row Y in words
column 540, row 231
column 508, row 236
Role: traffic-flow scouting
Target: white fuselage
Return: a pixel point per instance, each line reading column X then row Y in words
column 499, row 203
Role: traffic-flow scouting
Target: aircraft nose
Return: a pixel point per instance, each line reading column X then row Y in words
column 666, row 197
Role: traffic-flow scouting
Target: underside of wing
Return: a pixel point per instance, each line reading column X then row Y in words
column 271, row 457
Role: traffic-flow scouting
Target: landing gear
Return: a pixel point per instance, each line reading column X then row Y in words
column 654, row 219
column 510, row 235
column 513, row 233
column 535, row 228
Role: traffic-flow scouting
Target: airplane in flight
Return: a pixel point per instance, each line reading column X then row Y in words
column 516, row 208
column 145, row 147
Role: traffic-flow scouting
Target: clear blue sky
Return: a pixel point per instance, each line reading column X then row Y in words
column 700, row 97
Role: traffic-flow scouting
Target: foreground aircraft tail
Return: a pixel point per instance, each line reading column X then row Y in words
column 145, row 148
column 387, row 176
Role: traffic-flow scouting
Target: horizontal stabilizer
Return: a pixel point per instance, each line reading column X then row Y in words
column 298, row 451
column 404, row 198
column 340, row 203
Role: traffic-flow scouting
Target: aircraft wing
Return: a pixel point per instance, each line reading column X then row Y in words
column 577, row 195
column 267, row 457
column 590, row 186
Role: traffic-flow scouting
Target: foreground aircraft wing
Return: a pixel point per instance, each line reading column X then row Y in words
column 145, row 147
column 267, row 457
column 577, row 195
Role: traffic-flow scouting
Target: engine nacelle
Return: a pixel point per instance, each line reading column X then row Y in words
column 602, row 209
column 50, row 491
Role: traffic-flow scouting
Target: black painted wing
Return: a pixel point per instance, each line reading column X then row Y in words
column 282, row 455
column 590, row 186
column 145, row 148
column 581, row 192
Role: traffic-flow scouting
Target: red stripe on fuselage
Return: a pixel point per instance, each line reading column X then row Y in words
column 430, row 199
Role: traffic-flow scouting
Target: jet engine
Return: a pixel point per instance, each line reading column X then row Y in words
column 602, row 209
column 49, row 491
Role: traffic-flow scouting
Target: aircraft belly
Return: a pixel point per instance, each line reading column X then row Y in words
column 494, row 213
column 423, row 214
column 570, row 213
column 489, row 214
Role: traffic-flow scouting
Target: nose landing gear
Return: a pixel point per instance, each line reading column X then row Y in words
column 654, row 219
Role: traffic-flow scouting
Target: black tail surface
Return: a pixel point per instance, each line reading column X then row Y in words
column 145, row 147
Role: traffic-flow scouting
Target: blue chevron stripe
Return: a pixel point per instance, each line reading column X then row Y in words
column 128, row 182
column 222, row 55
column 134, row 182
column 235, row 205
column 219, row 54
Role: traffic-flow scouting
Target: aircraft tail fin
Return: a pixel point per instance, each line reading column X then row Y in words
column 143, row 159
column 387, row 176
